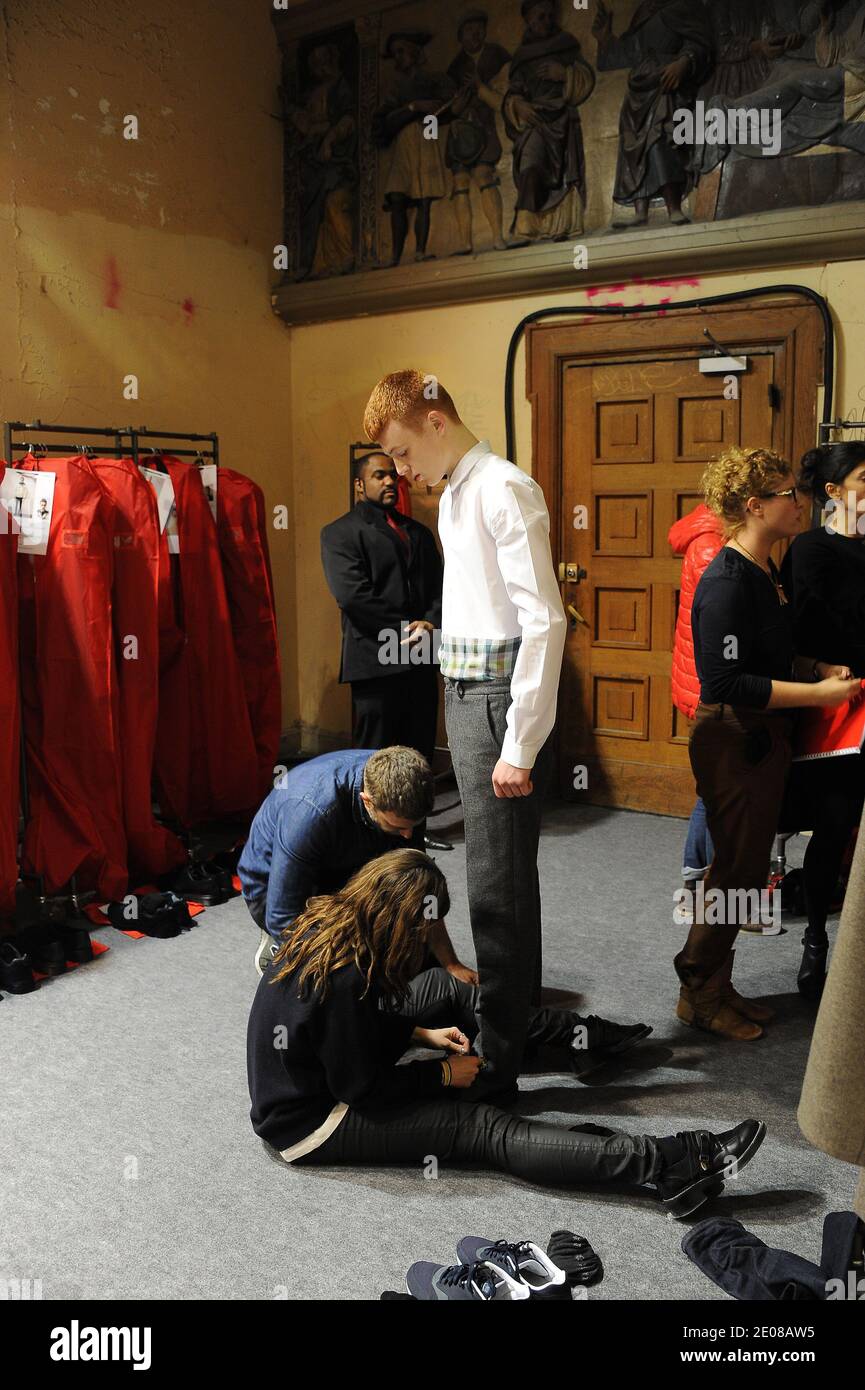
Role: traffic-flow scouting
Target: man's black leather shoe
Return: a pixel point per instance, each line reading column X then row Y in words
column 709, row 1159
column 43, row 945
column 77, row 945
column 431, row 843
column 196, row 885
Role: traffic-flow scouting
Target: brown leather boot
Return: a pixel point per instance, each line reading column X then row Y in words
column 748, row 1008
column 705, row 1006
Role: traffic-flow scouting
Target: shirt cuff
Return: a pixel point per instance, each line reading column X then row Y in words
column 518, row 754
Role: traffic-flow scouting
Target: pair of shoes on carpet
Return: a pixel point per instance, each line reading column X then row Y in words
column 46, row 947
column 507, row 1270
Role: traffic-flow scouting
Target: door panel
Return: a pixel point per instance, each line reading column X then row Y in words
column 636, row 438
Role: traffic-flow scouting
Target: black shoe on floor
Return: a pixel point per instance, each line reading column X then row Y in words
column 709, row 1159
column 223, row 876
column 595, row 1039
column 812, row 971
column 76, row 942
column 16, row 973
column 45, row 949
column 431, row 843
column 574, row 1255
column 196, row 885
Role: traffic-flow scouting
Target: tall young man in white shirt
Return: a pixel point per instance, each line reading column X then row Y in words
column 503, row 637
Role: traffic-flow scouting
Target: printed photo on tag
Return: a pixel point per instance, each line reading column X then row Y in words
column 165, row 504
column 208, row 473
column 26, row 503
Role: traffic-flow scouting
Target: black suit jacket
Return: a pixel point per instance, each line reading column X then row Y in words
column 379, row 585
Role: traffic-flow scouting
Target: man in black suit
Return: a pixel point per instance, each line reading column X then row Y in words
column 385, row 572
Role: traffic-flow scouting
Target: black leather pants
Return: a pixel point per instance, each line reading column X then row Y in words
column 437, row 1000
column 454, row 1131
column 458, row 1131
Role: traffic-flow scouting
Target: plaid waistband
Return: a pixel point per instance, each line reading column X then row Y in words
column 478, row 658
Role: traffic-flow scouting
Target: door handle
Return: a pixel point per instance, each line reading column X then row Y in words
column 575, row 617
column 571, row 573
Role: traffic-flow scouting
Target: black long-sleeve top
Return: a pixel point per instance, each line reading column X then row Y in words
column 824, row 575
column 306, row 1055
column 743, row 634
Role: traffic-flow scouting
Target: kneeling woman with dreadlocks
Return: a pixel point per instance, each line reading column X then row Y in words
column 337, row 1008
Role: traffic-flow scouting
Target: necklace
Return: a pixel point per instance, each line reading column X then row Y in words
column 776, row 583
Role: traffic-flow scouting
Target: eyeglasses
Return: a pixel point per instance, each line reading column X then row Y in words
column 788, row 492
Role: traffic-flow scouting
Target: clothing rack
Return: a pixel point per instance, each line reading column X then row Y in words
column 119, row 436
column 118, row 447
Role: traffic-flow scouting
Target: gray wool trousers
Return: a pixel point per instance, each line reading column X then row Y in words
column 502, row 836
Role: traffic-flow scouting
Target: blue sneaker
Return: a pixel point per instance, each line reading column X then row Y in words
column 473, row 1281
column 522, row 1262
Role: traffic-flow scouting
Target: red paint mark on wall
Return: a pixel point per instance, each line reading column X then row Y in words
column 597, row 291
column 188, row 308
column 111, row 274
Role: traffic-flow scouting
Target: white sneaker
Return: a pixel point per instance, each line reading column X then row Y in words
column 265, row 952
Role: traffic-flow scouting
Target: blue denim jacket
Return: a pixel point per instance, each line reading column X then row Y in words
column 310, row 835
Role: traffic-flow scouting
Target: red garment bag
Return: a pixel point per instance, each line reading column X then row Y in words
column 206, row 759
column 10, row 712
column 153, row 850
column 241, row 526
column 69, row 691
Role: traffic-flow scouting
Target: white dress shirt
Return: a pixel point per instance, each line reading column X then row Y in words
column 499, row 586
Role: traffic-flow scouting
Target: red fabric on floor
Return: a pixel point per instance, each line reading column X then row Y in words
column 69, row 692
column 152, row 848
column 242, row 532
column 206, row 760
column 10, row 712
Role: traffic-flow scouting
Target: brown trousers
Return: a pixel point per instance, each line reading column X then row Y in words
column 740, row 760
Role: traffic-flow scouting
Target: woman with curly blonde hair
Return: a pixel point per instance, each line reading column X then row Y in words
column 740, row 742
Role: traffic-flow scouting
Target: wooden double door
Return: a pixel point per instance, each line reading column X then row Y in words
column 624, row 424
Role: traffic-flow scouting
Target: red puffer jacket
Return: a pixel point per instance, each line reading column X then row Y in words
column 699, row 537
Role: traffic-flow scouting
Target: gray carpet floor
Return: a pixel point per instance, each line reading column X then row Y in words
column 128, row 1167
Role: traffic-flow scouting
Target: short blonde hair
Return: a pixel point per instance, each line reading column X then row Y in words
column 404, row 396
column 736, row 475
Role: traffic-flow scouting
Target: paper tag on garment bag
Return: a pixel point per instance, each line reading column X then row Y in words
column 26, row 506
column 164, row 489
column 208, row 473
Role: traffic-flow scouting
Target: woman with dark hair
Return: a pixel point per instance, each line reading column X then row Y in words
column 324, row 1041
column 824, row 570
column 740, row 744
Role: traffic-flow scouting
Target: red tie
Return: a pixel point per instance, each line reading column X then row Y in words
column 399, row 530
